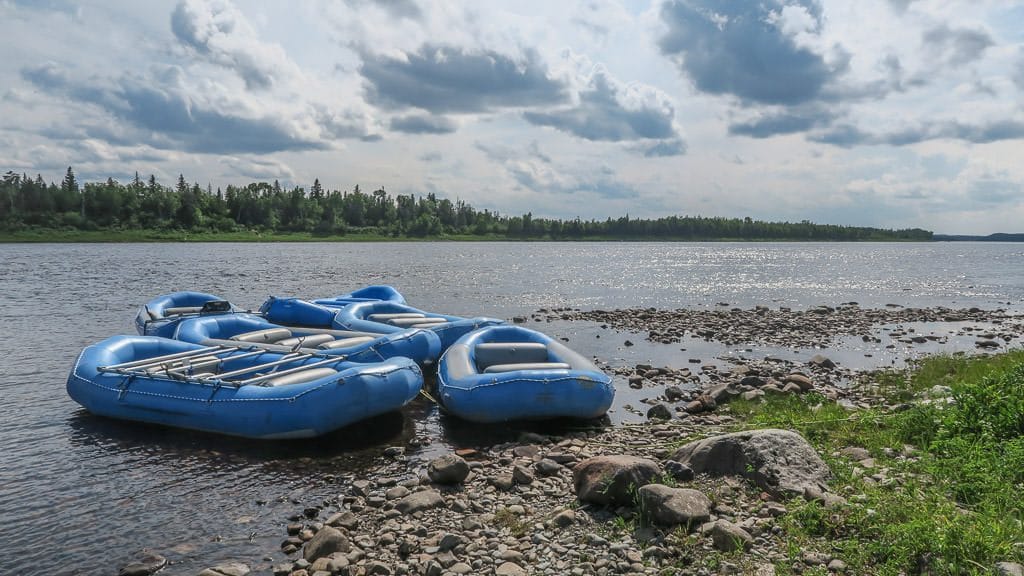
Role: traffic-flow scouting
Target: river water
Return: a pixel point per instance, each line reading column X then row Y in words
column 83, row 495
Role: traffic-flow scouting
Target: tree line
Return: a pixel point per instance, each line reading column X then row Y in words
column 146, row 204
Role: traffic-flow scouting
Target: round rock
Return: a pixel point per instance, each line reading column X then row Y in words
column 144, row 566
column 326, row 542
column 674, row 506
column 780, row 462
column 612, row 480
column 448, row 469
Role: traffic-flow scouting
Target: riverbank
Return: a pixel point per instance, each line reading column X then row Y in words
column 898, row 495
column 125, row 236
column 920, row 470
column 136, row 235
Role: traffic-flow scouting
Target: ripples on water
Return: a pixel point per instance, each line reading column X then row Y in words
column 81, row 494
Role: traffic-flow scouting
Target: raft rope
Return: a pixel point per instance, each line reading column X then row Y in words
column 440, row 406
column 123, row 388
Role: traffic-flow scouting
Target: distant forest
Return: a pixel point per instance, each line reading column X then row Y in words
column 145, row 204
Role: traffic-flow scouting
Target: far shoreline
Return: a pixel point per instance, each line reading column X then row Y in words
column 178, row 236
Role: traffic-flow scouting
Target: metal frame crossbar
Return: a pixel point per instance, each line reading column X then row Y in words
column 287, row 358
column 288, row 371
column 214, row 361
column 157, row 360
column 331, row 331
column 177, row 365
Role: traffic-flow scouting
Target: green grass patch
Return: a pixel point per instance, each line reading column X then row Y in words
column 505, row 518
column 954, row 506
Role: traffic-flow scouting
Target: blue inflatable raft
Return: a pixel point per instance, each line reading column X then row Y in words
column 503, row 373
column 378, row 292
column 386, row 317
column 230, row 390
column 161, row 315
column 299, row 312
column 422, row 346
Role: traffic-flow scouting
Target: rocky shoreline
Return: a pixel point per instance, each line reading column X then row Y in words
column 530, row 507
column 815, row 327
column 632, row 499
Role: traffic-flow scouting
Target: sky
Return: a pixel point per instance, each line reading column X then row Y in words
column 886, row 113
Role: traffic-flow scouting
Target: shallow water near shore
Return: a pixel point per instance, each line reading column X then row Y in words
column 82, row 495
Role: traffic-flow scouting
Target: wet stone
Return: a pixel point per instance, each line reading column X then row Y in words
column 327, row 541
column 144, row 566
column 231, row 569
column 659, row 412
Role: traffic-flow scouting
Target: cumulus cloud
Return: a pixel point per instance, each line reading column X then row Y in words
column 217, row 31
column 847, row 135
column 168, row 113
column 190, row 105
column 779, row 64
column 660, row 148
column 956, row 46
column 787, row 121
column 423, row 124
column 748, row 50
column 611, row 111
column 452, row 79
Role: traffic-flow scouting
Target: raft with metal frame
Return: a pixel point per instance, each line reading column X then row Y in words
column 250, row 392
column 386, row 317
column 372, row 293
column 503, row 373
column 161, row 315
column 422, row 346
column 321, row 312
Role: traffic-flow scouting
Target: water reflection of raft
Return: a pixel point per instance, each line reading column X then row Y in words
column 503, row 373
column 422, row 346
column 234, row 390
column 384, row 317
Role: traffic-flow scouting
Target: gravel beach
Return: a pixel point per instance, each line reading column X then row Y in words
column 639, row 498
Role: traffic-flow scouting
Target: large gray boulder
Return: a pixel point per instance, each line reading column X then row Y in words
column 613, row 480
column 326, row 542
column 673, row 506
column 419, row 501
column 779, row 462
column 727, row 536
column 448, row 469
